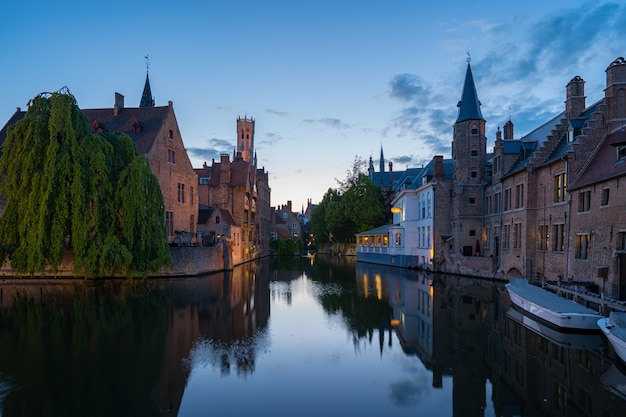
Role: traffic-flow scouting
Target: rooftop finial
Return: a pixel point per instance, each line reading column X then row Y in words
column 469, row 58
column 147, row 58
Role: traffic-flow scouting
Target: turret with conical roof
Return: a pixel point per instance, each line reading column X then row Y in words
column 469, row 148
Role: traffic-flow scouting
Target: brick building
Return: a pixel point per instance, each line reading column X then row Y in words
column 155, row 132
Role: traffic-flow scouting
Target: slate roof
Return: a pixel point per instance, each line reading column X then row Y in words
column 603, row 165
column 469, row 106
column 149, row 119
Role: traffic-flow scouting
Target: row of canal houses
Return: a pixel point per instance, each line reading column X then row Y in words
column 225, row 202
column 549, row 205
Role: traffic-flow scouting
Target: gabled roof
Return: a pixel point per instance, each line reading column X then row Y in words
column 469, row 106
column 603, row 165
column 205, row 213
column 148, row 119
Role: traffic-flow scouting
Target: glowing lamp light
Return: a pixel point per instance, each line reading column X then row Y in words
column 395, row 322
column 396, row 210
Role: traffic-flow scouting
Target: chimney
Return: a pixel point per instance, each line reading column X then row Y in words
column 438, row 167
column 614, row 93
column 289, row 206
column 575, row 97
column 224, row 168
column 508, row 131
column 119, row 104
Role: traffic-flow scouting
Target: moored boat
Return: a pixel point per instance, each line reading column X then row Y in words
column 547, row 306
column 614, row 328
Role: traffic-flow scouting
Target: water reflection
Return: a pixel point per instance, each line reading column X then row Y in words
column 328, row 337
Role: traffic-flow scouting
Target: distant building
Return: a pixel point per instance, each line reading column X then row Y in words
column 241, row 189
column 286, row 224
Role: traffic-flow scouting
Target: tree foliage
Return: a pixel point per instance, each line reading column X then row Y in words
column 356, row 206
column 69, row 187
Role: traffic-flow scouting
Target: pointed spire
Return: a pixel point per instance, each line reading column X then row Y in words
column 146, row 98
column 382, row 159
column 469, row 106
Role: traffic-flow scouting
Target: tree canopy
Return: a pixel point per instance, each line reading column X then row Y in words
column 67, row 187
column 356, row 206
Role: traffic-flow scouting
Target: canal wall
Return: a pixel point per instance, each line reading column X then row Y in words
column 186, row 261
column 337, row 249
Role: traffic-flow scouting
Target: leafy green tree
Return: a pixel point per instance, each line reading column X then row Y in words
column 67, row 186
column 356, row 206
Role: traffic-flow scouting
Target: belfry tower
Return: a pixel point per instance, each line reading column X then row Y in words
column 245, row 138
column 469, row 147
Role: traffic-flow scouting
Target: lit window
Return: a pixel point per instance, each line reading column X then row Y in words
column 560, row 188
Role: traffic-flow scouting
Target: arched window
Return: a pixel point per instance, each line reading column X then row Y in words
column 217, row 219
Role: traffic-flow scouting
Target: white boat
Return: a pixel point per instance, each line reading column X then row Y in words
column 547, row 306
column 614, row 327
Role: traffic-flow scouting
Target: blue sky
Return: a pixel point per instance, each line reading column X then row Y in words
column 326, row 81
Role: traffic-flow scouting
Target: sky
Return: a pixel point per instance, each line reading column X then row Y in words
column 327, row 82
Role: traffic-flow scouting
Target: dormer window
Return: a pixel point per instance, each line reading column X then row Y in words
column 621, row 152
column 136, row 127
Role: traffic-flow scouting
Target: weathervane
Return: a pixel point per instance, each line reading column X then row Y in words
column 469, row 58
column 147, row 62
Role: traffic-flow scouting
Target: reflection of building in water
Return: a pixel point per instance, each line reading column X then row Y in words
column 538, row 370
column 225, row 308
column 468, row 301
column 413, row 299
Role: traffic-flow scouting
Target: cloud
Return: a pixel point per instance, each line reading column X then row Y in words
column 276, row 112
column 409, row 87
column 215, row 147
column 329, row 122
column 271, row 139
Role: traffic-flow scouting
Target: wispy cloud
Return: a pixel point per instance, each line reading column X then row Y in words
column 328, row 122
column 276, row 112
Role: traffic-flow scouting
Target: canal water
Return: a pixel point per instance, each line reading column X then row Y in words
column 302, row 337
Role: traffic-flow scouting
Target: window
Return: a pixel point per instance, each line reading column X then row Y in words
column 496, row 165
column 181, row 192
column 498, row 202
column 428, row 244
column 507, row 199
column 584, row 201
column 474, row 130
column 517, row 235
column 245, row 216
column 621, row 240
column 474, row 153
column 398, row 239
column 488, row 205
column 605, row 197
column 519, row 196
column 171, row 156
column 582, row 246
column 621, row 153
column 472, row 232
column 474, row 173
column 506, row 234
column 472, row 200
column 204, row 180
column 558, row 237
column 170, row 134
column 543, row 237
column 169, row 222
column 560, row 188
column 217, row 219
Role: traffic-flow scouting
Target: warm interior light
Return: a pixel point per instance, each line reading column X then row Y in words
column 396, row 210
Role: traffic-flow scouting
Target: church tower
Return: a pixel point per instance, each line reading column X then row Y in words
column 245, row 138
column 469, row 147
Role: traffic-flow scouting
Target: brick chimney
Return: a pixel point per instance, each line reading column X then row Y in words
column 119, row 104
column 224, row 168
column 438, row 167
column 615, row 97
column 575, row 97
column 509, row 131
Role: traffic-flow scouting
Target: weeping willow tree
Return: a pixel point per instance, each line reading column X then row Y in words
column 68, row 187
